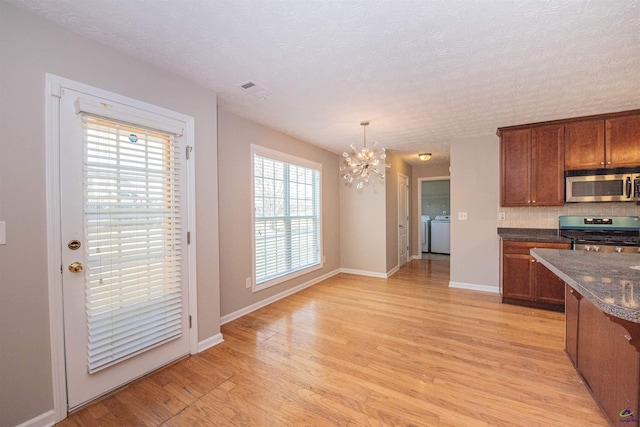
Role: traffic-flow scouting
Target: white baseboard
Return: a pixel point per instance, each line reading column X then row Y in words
column 45, row 420
column 417, row 256
column 253, row 307
column 392, row 271
column 474, row 287
column 210, row 342
column 364, row 273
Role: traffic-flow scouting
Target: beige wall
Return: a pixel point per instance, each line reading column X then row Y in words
column 398, row 166
column 30, row 47
column 363, row 227
column 234, row 141
column 418, row 172
column 475, row 189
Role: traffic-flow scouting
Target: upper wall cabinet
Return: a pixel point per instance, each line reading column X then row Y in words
column 622, row 142
column 584, row 145
column 532, row 166
column 533, row 157
column 603, row 143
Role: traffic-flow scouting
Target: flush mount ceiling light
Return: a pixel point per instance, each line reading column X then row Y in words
column 360, row 164
column 424, row 156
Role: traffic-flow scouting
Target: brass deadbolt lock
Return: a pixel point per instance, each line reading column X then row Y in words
column 74, row 245
column 75, row 267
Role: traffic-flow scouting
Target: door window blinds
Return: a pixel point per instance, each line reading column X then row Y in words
column 133, row 240
column 287, row 218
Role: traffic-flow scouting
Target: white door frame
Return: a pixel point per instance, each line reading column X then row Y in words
column 53, row 87
column 420, row 181
column 407, row 221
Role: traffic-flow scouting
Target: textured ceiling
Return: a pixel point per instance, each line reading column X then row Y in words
column 425, row 73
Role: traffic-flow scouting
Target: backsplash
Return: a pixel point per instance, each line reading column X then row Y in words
column 547, row 217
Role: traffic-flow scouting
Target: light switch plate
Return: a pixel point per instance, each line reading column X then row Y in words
column 3, row 233
column 502, row 216
column 462, row 216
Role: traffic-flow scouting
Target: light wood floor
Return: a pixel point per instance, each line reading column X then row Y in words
column 360, row 351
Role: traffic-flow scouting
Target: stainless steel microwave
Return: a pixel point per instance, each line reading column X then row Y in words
column 602, row 185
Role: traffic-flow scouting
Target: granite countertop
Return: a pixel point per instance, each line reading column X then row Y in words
column 611, row 281
column 545, row 235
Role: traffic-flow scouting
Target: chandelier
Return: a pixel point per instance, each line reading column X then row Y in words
column 360, row 164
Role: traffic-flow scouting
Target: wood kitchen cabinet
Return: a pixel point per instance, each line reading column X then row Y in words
column 603, row 356
column 532, row 166
column 571, row 306
column 584, row 145
column 622, row 141
column 603, row 143
column 527, row 282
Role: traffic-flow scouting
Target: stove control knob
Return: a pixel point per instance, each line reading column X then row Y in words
column 587, row 248
column 618, row 249
column 596, row 248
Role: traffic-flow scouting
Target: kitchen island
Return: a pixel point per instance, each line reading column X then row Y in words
column 611, row 281
column 602, row 312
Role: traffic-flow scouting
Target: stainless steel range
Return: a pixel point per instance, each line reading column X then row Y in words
column 602, row 233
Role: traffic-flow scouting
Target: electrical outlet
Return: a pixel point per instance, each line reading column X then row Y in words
column 462, row 216
column 502, row 216
column 248, row 282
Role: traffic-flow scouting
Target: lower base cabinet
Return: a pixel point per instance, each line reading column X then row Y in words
column 572, row 305
column 603, row 355
column 527, row 282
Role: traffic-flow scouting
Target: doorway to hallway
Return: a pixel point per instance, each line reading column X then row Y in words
column 434, row 209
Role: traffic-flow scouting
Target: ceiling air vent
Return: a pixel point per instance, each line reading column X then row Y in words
column 254, row 89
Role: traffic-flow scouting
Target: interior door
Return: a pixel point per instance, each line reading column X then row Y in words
column 125, row 294
column 403, row 219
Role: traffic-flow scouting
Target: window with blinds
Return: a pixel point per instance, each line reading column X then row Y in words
column 287, row 223
column 133, row 240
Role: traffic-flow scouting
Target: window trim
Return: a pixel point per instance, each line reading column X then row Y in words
column 298, row 161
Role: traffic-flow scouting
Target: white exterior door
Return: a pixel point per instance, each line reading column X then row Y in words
column 123, row 249
column 403, row 219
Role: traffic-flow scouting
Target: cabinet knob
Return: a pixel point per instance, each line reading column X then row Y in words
column 533, row 201
column 608, row 163
column 627, row 337
column 602, row 163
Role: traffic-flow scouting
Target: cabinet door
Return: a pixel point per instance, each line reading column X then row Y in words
column 623, row 141
column 515, row 168
column 584, row 145
column 549, row 287
column 517, row 277
column 571, row 307
column 517, row 271
column 547, row 165
column 607, row 362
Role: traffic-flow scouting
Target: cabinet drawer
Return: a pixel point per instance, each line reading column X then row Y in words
column 525, row 247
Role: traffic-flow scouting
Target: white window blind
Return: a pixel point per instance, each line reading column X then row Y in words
column 286, row 218
column 133, row 240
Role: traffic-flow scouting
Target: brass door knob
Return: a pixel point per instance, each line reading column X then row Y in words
column 75, row 267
